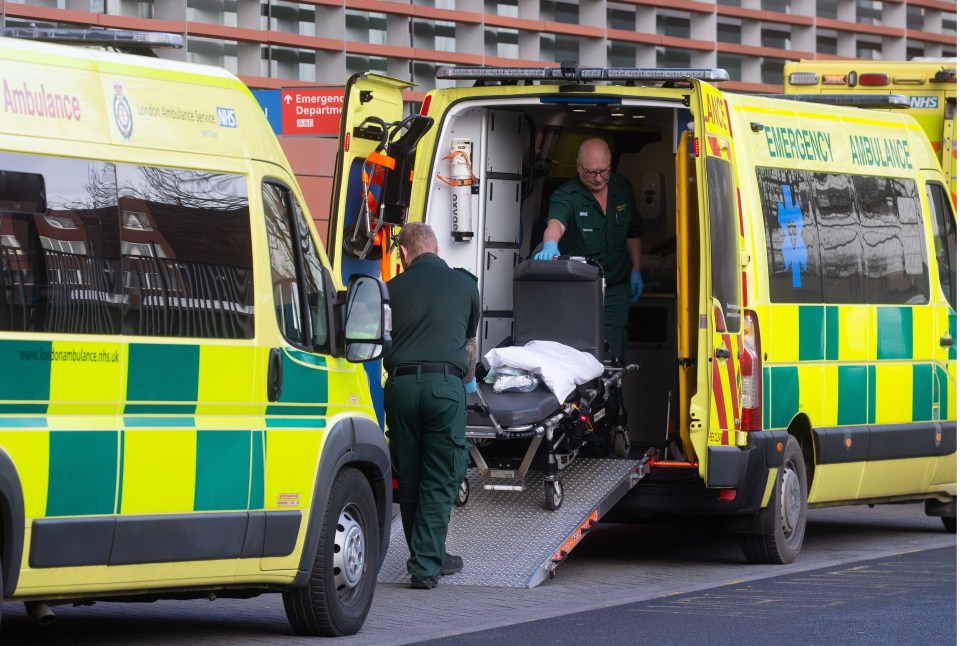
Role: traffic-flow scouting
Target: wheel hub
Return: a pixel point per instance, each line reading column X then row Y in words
column 350, row 551
column 790, row 501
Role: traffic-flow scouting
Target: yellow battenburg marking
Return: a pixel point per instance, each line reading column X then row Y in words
column 894, row 393
column 836, row 481
column 159, row 471
column 923, row 333
column 785, row 333
column 85, row 377
column 831, row 397
column 226, row 380
column 30, row 451
column 812, row 400
column 896, row 477
column 291, row 463
column 857, row 333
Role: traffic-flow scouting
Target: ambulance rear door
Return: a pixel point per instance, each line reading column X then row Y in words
column 371, row 103
column 714, row 420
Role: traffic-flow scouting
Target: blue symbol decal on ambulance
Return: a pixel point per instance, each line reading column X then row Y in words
column 925, row 102
column 794, row 248
column 122, row 114
column 227, row 117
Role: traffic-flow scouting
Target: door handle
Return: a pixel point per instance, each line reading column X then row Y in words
column 274, row 375
column 946, row 341
column 722, row 353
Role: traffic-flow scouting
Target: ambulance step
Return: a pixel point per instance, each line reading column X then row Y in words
column 507, row 539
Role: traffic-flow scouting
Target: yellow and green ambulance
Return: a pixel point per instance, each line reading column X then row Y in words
column 182, row 409
column 797, row 329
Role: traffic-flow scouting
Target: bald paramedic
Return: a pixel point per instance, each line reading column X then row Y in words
column 595, row 215
column 429, row 367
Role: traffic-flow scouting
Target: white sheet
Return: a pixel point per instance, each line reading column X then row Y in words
column 561, row 367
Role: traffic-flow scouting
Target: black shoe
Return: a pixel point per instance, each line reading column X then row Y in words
column 429, row 583
column 451, row 564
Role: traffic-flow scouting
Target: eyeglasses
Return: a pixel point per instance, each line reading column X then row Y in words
column 596, row 174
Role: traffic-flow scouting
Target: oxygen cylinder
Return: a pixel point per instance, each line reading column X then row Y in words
column 461, row 183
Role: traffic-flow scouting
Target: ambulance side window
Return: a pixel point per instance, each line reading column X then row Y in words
column 187, row 253
column 296, row 270
column 944, row 240
column 725, row 241
column 59, row 249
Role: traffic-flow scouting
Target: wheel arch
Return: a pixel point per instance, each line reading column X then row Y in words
column 11, row 524
column 802, row 430
column 353, row 442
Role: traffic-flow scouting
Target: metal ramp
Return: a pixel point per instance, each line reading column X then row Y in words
column 507, row 539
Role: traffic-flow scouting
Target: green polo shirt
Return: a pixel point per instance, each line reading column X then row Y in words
column 589, row 232
column 435, row 310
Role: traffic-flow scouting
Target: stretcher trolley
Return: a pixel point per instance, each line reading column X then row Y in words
column 510, row 433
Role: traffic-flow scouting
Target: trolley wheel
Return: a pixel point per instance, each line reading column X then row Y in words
column 621, row 443
column 553, row 494
column 463, row 493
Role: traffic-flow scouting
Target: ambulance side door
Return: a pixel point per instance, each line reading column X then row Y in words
column 370, row 102
column 722, row 306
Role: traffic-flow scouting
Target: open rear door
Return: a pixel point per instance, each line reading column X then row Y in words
column 721, row 303
column 371, row 102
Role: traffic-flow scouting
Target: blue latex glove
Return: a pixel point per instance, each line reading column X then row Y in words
column 471, row 386
column 549, row 251
column 636, row 286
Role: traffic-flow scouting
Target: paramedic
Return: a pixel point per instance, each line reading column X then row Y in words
column 595, row 215
column 429, row 367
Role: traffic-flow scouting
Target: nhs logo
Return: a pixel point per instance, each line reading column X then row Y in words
column 227, row 117
column 925, row 102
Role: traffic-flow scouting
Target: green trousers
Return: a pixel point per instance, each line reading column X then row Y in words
column 616, row 310
column 427, row 419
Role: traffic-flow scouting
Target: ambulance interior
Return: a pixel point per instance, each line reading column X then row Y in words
column 520, row 153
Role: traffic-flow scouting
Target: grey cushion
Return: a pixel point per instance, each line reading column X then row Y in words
column 513, row 409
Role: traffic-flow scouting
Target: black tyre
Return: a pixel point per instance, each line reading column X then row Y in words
column 337, row 598
column 463, row 493
column 949, row 524
column 785, row 518
column 621, row 443
column 552, row 494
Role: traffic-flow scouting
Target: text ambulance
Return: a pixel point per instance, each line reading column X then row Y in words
column 930, row 86
column 180, row 411
column 797, row 329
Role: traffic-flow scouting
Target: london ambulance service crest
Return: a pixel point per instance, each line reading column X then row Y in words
column 122, row 114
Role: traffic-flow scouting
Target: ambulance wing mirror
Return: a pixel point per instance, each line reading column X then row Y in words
column 367, row 319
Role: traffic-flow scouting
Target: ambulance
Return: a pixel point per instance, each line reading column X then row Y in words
column 929, row 84
column 796, row 334
column 183, row 409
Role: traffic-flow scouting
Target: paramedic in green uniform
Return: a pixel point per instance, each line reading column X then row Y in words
column 595, row 215
column 430, row 367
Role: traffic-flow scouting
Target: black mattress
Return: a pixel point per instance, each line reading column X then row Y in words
column 512, row 409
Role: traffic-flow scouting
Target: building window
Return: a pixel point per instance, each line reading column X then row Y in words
column 827, row 9
column 827, row 43
column 914, row 17
column 210, row 51
column 869, row 50
column 504, row 43
column 775, row 38
column 128, row 8
column 771, row 71
column 622, row 54
column 559, row 48
column 565, row 12
column 291, row 18
column 728, row 32
column 869, row 12
column 366, row 27
column 673, row 23
column 361, row 64
column 622, row 19
column 671, row 57
column 437, row 35
column 203, row 11
column 732, row 64
column 507, row 8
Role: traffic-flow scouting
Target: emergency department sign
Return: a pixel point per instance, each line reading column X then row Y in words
column 311, row 111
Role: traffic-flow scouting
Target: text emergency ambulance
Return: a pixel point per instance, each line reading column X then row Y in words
column 796, row 332
column 930, row 86
column 181, row 411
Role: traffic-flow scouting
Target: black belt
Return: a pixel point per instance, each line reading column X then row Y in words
column 428, row 368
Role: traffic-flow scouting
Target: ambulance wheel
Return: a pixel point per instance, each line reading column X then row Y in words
column 463, row 494
column 949, row 524
column 784, row 520
column 621, row 443
column 337, row 597
column 553, row 494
